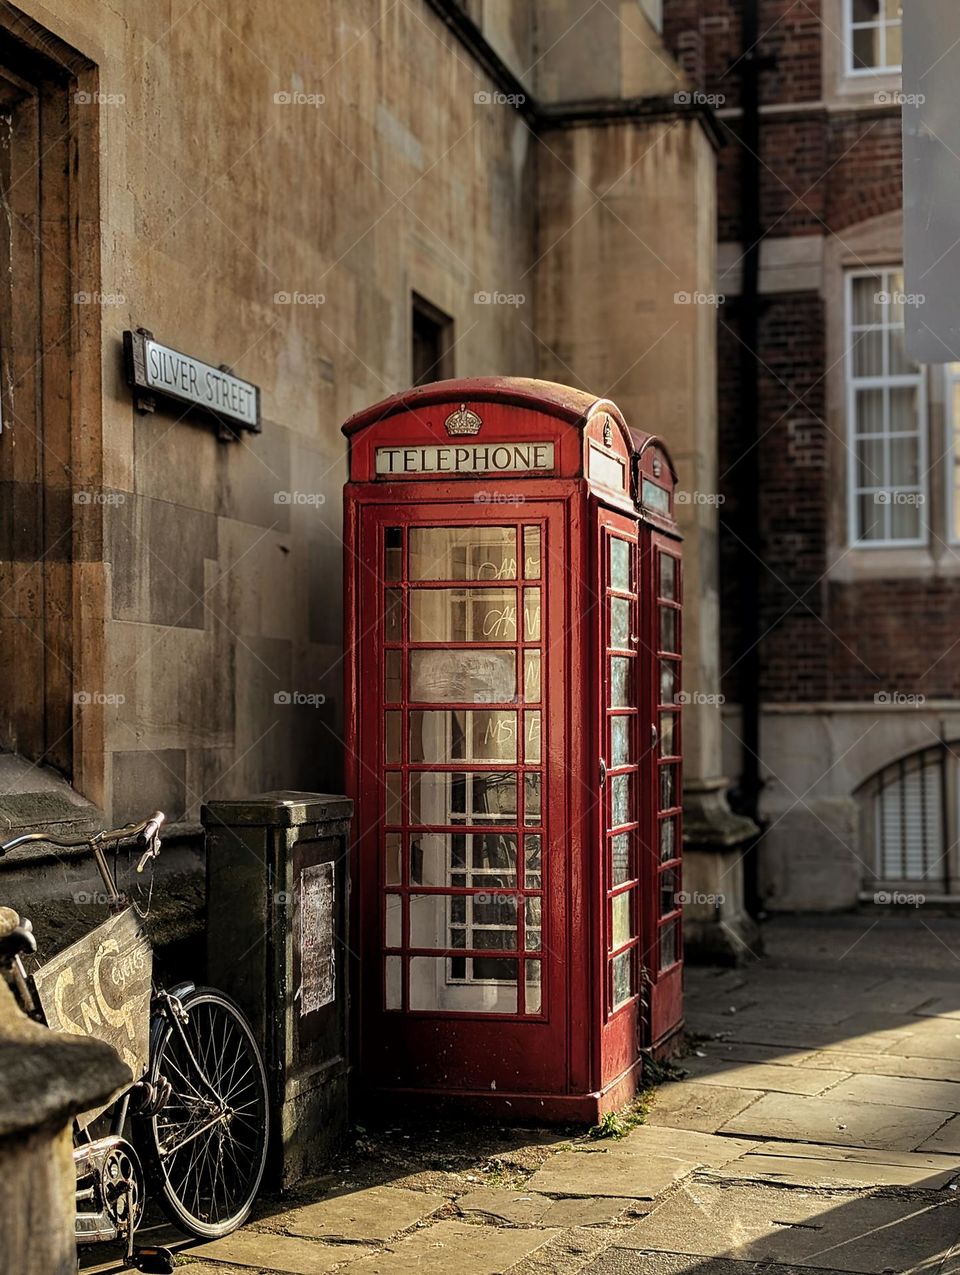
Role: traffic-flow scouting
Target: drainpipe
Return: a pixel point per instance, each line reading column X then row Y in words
column 748, row 527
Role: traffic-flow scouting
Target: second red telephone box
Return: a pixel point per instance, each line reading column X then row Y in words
column 513, row 741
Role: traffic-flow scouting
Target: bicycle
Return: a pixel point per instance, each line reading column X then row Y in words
column 198, row 1101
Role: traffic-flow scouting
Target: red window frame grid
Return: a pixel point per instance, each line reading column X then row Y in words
column 674, row 759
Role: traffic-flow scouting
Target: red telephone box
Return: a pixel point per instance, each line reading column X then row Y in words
column 512, row 596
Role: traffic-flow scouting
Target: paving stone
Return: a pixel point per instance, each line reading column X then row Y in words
column 569, row 1253
column 376, row 1213
column 765, row 1076
column 858, row 1124
column 457, row 1247
column 946, row 1140
column 932, row 1038
column 749, row 1051
column 706, row 1149
column 860, row 1033
column 624, row 1261
column 883, row 1064
column 521, row 1208
column 807, row 1164
column 932, row 1095
column 689, row 1105
column 801, row 1229
column 611, row 1172
column 281, row 1253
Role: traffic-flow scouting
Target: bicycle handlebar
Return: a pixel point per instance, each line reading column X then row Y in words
column 146, row 832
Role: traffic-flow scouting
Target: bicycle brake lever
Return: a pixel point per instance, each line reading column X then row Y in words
column 150, row 837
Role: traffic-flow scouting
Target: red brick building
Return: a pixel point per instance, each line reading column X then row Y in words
column 839, row 461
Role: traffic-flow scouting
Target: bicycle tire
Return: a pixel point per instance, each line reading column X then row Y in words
column 193, row 1153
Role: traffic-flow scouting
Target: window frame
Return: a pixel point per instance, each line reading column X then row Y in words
column 951, row 452
column 853, row 383
column 849, row 26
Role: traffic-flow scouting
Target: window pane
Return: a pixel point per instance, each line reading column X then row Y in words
column 620, row 741
column 872, row 525
column 532, row 922
column 900, row 362
column 668, row 840
column 866, row 47
column 463, row 615
column 669, row 944
column 868, row 406
column 870, row 463
column 531, row 677
column 904, row 462
column 531, row 850
column 622, row 978
column 463, row 734
column 531, row 747
column 533, row 990
column 668, row 681
column 393, row 982
column 394, row 790
column 621, row 926
column 487, row 921
column 668, row 577
column 669, row 794
column 392, row 553
column 868, row 353
column 463, row 553
column 392, row 920
column 894, row 45
column 531, row 553
column 480, row 677
column 620, row 867
column 470, row 860
column 866, row 10
column 621, row 800
column 621, row 681
column 391, row 858
column 620, row 623
column 391, row 677
column 668, row 891
column 454, row 796
column 668, row 629
column 904, row 407
column 393, row 616
column 531, row 615
column 667, row 748
column 620, row 574
column 904, row 521
column 476, row 986
column 532, row 812
column 393, row 732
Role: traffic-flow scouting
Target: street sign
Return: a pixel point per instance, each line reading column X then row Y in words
column 155, row 369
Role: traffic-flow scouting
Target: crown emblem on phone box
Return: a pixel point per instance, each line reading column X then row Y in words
column 463, row 421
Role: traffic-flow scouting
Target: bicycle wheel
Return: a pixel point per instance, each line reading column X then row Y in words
column 207, row 1147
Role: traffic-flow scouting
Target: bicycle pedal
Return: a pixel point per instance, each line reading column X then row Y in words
column 153, row 1261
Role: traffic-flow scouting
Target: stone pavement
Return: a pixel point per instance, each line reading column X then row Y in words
column 817, row 1129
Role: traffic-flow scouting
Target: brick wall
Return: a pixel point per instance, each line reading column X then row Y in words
column 820, row 172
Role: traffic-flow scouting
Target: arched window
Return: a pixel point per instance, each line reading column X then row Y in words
column 904, row 818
